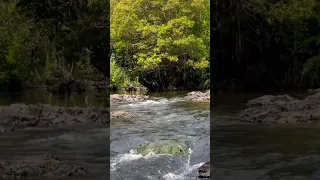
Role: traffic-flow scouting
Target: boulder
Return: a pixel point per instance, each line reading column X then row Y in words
column 23, row 115
column 270, row 109
column 163, row 147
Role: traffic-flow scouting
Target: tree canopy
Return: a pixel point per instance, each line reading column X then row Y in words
column 265, row 44
column 163, row 42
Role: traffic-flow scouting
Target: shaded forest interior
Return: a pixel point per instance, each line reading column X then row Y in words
column 259, row 45
column 44, row 43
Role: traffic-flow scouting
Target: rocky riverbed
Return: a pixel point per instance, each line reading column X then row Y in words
column 18, row 117
column 282, row 109
column 47, row 165
column 139, row 146
column 121, row 98
column 198, row 96
column 45, row 115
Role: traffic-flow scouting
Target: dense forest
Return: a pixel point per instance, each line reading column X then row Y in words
column 265, row 44
column 160, row 44
column 47, row 42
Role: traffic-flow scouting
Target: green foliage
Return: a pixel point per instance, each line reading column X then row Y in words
column 19, row 40
column 118, row 77
column 160, row 31
column 154, row 35
column 267, row 43
column 46, row 40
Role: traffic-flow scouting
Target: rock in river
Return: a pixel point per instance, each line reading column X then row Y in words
column 121, row 114
column 47, row 165
column 163, row 147
column 282, row 109
column 198, row 96
column 204, row 170
column 22, row 115
column 120, row 98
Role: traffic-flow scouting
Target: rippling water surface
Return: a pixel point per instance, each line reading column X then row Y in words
column 261, row 152
column 165, row 117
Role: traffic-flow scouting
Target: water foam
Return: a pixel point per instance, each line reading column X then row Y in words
column 187, row 170
column 127, row 157
column 178, row 176
column 147, row 103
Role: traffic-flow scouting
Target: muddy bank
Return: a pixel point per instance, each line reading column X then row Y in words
column 198, row 96
column 121, row 98
column 282, row 109
column 47, row 165
column 45, row 115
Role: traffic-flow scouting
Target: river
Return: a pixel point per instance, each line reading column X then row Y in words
column 260, row 152
column 86, row 146
column 167, row 116
column 238, row 151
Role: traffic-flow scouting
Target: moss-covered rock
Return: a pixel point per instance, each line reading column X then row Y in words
column 163, row 147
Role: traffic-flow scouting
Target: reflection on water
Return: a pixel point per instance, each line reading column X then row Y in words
column 41, row 96
column 266, row 152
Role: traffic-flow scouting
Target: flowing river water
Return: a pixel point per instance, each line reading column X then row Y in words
column 238, row 151
column 85, row 146
column 167, row 116
column 260, row 152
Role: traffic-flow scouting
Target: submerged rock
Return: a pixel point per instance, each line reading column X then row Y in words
column 282, row 109
column 204, row 170
column 119, row 98
column 39, row 166
column 198, row 96
column 121, row 114
column 163, row 147
column 23, row 115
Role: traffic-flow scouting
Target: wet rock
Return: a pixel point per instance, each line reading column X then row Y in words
column 23, row 115
column 204, row 170
column 281, row 109
column 47, row 165
column 121, row 114
column 119, row 98
column 163, row 147
column 198, row 96
column 5, row 129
